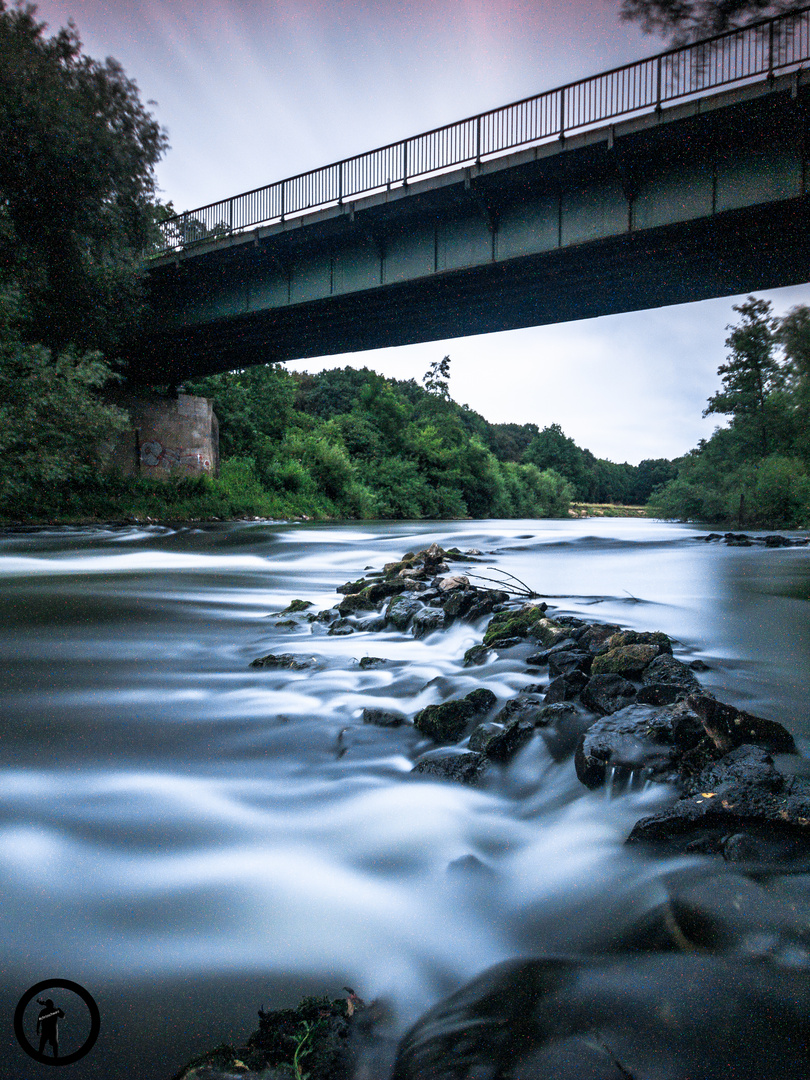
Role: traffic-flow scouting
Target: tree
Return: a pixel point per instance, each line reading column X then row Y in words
column 690, row 20
column 436, row 378
column 76, row 185
column 751, row 375
column 794, row 336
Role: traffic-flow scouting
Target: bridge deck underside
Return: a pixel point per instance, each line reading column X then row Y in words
column 661, row 211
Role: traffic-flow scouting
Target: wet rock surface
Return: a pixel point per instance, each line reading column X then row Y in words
column 641, row 1017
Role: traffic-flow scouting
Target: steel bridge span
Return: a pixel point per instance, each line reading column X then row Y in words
column 676, row 179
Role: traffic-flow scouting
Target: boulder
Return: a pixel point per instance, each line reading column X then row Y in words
column 458, row 603
column 606, row 694
column 595, row 636
column 728, row 727
column 612, row 1018
column 519, row 622
column 455, row 581
column 742, row 805
column 627, row 660
column 636, row 739
column 477, row 654
column 564, row 661
column 402, row 609
column 637, row 637
column 381, row 718
column 462, row 768
column 565, row 687
column 355, row 602
column 447, row 722
column 283, row 660
column 427, row 621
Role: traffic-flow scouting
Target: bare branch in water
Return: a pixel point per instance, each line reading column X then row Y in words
column 523, row 591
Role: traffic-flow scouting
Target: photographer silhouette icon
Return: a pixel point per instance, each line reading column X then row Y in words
column 47, row 1024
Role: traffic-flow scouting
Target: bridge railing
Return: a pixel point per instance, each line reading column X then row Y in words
column 736, row 56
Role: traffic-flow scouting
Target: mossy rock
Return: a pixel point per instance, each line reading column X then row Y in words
column 628, row 660
column 295, row 606
column 507, row 624
column 446, row 723
column 476, row 655
column 353, row 586
column 356, row 602
column 635, row 637
column 381, row 590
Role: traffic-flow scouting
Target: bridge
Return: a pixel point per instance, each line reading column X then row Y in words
column 677, row 178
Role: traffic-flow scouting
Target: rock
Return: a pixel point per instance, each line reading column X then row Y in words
column 381, row 718
column 482, row 700
column 341, row 628
column 522, row 707
column 456, row 581
column 476, row 655
column 486, row 603
column 352, row 586
column 608, row 693
column 329, row 615
column 295, row 606
column 518, row 623
column 636, row 739
column 501, row 743
column 737, row 539
column 381, row 590
column 564, row 661
column 626, row 660
column 639, row 1016
column 561, row 726
column 729, row 727
column 565, row 687
column 413, row 574
column 594, row 638
column 463, row 768
column 447, row 722
column 458, row 603
column 635, row 637
column 366, row 662
column 774, row 540
column 666, row 670
column 283, row 660
column 427, row 621
column 698, row 665
column 355, row 602
column 742, row 793
column 401, row 610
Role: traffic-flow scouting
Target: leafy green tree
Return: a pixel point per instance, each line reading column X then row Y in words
column 794, row 335
column 76, row 184
column 751, row 375
column 436, row 379
column 553, row 449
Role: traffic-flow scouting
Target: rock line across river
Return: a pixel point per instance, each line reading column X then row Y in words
column 632, row 715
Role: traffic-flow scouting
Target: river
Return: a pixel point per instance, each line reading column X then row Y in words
column 190, row 838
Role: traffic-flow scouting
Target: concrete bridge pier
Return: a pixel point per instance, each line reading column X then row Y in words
column 168, row 435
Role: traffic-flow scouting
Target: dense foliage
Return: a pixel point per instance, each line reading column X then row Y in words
column 756, row 470
column 690, row 20
column 76, row 210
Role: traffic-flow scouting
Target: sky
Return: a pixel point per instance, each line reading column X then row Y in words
column 252, row 91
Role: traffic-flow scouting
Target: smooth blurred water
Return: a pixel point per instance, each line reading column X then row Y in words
column 189, row 837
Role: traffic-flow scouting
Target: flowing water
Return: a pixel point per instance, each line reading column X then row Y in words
column 190, row 838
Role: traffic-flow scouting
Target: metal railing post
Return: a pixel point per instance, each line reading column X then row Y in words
column 562, row 113
column 770, row 49
column 658, row 88
column 478, row 139
column 405, row 163
column 340, row 183
column 283, row 186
